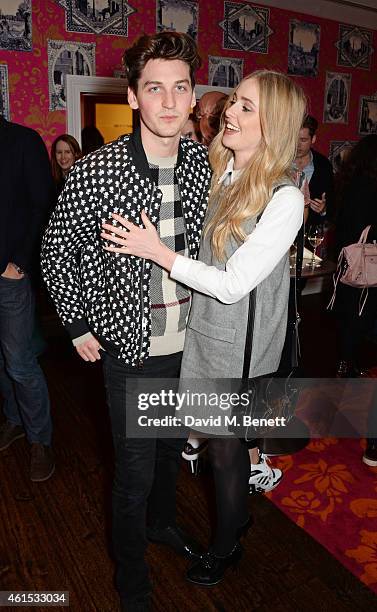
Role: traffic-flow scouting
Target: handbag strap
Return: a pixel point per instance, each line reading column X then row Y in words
column 253, row 294
column 300, row 239
column 364, row 234
column 336, row 276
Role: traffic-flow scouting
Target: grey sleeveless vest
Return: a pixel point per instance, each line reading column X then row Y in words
column 216, row 332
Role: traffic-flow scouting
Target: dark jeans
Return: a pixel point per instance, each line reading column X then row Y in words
column 22, row 383
column 145, row 477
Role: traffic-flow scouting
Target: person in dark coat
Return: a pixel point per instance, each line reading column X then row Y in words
column 357, row 208
column 319, row 173
column 27, row 193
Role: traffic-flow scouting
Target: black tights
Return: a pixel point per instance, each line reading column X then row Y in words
column 231, row 470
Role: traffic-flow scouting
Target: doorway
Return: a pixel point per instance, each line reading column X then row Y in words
column 109, row 113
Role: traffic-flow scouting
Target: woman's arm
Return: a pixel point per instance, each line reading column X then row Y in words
column 252, row 262
column 255, row 259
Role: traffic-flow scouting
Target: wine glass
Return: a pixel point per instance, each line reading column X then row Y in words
column 315, row 237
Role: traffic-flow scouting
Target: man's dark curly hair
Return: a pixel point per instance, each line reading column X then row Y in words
column 164, row 45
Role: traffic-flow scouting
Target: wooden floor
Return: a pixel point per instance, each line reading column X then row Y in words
column 55, row 535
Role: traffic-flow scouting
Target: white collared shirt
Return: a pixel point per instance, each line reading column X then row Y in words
column 256, row 258
column 230, row 175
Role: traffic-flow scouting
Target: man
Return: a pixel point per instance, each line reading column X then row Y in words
column 27, row 193
column 125, row 305
column 318, row 172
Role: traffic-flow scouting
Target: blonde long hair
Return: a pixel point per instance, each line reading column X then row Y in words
column 282, row 106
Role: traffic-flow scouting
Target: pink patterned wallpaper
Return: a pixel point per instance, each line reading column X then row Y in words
column 28, row 71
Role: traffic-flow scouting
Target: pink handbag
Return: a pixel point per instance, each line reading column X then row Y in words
column 357, row 267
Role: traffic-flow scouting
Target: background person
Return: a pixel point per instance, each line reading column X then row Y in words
column 318, row 171
column 250, row 158
column 208, row 113
column 357, row 208
column 27, row 193
column 65, row 151
column 191, row 129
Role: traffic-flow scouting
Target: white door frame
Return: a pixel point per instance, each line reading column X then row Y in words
column 77, row 84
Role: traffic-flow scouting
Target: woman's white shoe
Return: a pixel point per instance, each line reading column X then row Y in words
column 263, row 477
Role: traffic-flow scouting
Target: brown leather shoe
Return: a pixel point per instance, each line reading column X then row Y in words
column 9, row 433
column 42, row 464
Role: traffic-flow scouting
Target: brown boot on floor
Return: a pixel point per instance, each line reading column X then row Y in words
column 42, row 463
column 9, row 433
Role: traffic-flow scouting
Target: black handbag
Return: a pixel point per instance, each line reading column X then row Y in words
column 274, row 395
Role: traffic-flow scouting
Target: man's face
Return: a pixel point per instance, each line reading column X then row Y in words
column 164, row 97
column 305, row 142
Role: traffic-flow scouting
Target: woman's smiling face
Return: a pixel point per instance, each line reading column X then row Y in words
column 64, row 155
column 242, row 133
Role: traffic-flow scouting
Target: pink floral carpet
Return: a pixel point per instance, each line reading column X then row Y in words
column 330, row 493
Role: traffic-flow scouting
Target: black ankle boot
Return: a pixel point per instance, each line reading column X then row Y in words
column 210, row 569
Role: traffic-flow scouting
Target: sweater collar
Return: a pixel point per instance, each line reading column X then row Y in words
column 137, row 151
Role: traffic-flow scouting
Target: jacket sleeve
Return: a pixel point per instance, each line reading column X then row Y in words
column 255, row 259
column 39, row 193
column 321, row 182
column 72, row 226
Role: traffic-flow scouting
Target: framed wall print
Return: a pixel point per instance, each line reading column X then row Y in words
column 15, row 25
column 303, row 48
column 246, row 27
column 337, row 96
column 368, row 115
column 354, row 47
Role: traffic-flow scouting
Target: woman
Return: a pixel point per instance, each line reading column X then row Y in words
column 249, row 228
column 65, row 150
column 357, row 208
column 191, row 129
column 208, row 113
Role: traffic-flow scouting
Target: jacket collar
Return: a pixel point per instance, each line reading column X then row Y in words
column 137, row 152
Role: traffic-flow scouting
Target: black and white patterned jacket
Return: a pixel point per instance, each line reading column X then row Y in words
column 108, row 293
